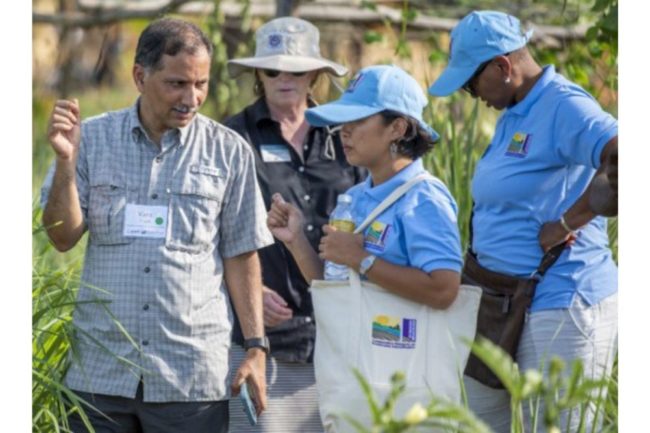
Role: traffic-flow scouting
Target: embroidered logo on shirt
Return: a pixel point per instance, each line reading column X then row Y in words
column 519, row 145
column 375, row 237
column 204, row 169
column 394, row 332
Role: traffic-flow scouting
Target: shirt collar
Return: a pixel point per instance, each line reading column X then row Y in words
column 382, row 191
column 523, row 107
column 137, row 130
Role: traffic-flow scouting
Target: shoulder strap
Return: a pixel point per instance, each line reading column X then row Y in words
column 392, row 198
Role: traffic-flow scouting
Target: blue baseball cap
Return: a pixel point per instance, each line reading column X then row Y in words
column 477, row 38
column 373, row 90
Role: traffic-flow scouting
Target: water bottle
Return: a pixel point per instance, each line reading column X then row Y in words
column 341, row 218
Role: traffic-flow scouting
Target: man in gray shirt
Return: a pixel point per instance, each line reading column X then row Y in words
column 174, row 214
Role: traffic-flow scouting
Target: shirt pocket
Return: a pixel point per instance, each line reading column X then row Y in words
column 106, row 208
column 194, row 207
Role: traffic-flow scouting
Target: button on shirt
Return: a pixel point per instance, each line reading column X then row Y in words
column 420, row 230
column 312, row 183
column 168, row 292
column 543, row 155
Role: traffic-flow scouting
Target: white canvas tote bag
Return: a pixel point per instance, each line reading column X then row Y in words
column 361, row 326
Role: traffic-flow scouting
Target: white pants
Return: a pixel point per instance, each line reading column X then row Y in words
column 578, row 332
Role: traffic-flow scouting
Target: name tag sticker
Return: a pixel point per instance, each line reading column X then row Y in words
column 275, row 153
column 142, row 221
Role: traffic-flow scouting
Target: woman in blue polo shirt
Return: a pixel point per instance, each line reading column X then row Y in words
column 531, row 192
column 383, row 131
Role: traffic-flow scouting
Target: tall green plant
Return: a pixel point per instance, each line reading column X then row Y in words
column 53, row 298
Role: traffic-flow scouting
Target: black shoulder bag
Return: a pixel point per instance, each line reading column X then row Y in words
column 503, row 307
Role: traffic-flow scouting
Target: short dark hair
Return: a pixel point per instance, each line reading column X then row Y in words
column 169, row 36
column 416, row 140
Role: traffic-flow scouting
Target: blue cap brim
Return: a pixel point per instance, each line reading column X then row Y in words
column 451, row 80
column 338, row 112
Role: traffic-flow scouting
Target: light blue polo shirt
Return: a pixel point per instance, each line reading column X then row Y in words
column 543, row 155
column 419, row 230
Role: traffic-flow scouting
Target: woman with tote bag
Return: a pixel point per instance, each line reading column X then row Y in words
column 403, row 309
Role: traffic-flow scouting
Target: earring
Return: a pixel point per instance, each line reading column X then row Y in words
column 257, row 88
column 507, row 80
column 393, row 150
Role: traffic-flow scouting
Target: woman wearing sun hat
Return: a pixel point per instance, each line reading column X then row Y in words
column 307, row 166
column 531, row 192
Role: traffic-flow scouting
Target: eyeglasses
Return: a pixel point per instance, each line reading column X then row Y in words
column 468, row 86
column 272, row 73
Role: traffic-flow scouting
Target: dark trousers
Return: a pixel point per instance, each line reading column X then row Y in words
column 135, row 416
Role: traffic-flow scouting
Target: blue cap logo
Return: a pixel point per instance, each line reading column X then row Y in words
column 354, row 83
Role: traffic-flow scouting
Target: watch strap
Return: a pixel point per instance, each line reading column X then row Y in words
column 258, row 342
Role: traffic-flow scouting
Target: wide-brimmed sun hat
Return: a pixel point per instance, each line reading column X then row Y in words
column 374, row 89
column 286, row 44
column 477, row 38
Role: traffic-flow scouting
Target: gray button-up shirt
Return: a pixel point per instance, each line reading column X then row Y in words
column 167, row 294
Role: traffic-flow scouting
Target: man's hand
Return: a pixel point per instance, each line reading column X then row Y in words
column 253, row 371
column 275, row 308
column 64, row 129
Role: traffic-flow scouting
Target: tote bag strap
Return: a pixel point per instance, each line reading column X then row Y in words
column 355, row 281
column 388, row 201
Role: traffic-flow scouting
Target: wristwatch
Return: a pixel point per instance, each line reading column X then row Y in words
column 260, row 342
column 366, row 264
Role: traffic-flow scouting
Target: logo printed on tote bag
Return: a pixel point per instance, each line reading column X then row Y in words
column 394, row 332
column 519, row 145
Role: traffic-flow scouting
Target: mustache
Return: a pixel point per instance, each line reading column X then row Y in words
column 185, row 109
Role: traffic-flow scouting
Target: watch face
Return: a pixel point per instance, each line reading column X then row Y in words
column 366, row 264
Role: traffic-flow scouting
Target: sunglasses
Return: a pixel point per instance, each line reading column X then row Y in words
column 468, row 86
column 272, row 73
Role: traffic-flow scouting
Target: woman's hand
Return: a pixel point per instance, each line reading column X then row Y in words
column 341, row 247
column 276, row 310
column 552, row 233
column 284, row 220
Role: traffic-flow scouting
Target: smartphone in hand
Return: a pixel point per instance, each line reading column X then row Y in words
column 247, row 402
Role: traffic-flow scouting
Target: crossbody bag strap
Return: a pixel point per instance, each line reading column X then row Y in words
column 388, row 201
column 547, row 261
